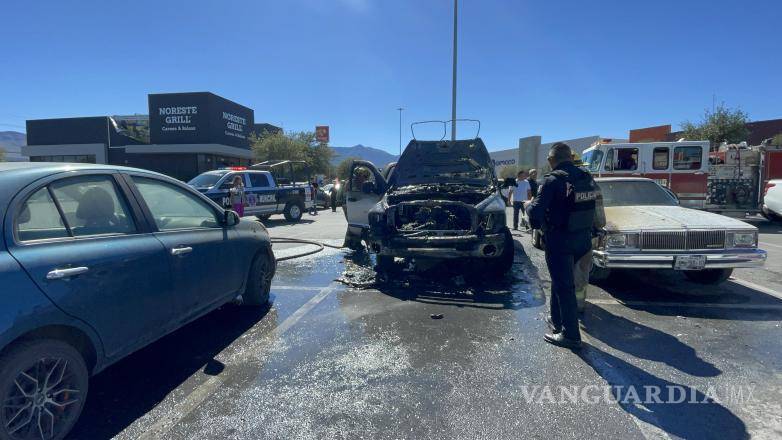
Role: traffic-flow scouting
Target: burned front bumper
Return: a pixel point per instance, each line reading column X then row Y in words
column 469, row 245
column 723, row 259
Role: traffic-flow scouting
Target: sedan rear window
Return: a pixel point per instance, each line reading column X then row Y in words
column 39, row 219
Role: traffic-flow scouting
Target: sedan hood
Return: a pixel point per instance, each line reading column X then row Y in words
column 633, row 218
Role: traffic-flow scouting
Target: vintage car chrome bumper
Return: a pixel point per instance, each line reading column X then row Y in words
column 723, row 259
column 471, row 245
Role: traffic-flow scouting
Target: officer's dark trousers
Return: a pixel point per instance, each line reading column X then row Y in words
column 333, row 201
column 562, row 251
column 516, row 207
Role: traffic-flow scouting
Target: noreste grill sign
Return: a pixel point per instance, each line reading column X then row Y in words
column 178, row 118
column 235, row 125
column 198, row 118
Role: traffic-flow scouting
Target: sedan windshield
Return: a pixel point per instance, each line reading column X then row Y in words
column 207, row 180
column 634, row 192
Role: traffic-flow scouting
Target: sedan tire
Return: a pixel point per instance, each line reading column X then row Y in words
column 709, row 276
column 259, row 282
column 43, row 387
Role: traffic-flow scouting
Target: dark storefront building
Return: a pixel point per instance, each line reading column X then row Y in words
column 184, row 135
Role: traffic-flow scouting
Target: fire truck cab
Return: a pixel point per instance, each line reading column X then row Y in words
column 682, row 167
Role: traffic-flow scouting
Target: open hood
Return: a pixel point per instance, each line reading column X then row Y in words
column 432, row 162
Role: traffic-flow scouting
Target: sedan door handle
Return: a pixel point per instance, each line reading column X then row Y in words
column 58, row 274
column 182, row 250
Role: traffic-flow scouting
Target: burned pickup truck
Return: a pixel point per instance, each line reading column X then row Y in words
column 440, row 201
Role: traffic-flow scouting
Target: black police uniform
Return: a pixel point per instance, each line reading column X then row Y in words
column 564, row 210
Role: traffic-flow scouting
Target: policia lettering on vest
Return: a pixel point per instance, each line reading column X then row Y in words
column 568, row 209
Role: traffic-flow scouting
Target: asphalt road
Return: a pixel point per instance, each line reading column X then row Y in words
column 358, row 359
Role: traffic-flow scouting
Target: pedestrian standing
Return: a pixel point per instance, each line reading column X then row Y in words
column 533, row 182
column 314, row 210
column 334, row 189
column 520, row 194
column 237, row 196
column 565, row 209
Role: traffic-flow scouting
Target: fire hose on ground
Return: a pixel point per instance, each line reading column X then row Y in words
column 320, row 246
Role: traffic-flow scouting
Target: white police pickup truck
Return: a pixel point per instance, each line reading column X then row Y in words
column 265, row 196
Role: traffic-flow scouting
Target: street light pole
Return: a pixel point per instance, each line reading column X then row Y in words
column 453, row 85
column 400, row 129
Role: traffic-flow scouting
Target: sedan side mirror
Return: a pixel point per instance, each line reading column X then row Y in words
column 230, row 218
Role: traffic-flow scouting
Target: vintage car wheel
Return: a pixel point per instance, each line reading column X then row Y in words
column 259, row 282
column 597, row 274
column 43, row 387
column 293, row 211
column 708, row 276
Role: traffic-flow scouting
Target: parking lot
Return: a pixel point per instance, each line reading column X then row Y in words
column 337, row 355
column 354, row 359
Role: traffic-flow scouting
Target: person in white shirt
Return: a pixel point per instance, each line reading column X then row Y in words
column 521, row 193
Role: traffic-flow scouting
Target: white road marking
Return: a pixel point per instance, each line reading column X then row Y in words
column 163, row 425
column 613, row 302
column 764, row 243
column 757, row 287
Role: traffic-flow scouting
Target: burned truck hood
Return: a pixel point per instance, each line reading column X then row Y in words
column 464, row 162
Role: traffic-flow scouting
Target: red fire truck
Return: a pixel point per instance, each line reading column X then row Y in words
column 731, row 180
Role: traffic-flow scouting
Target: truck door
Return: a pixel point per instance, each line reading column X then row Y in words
column 261, row 195
column 689, row 174
column 364, row 188
column 658, row 165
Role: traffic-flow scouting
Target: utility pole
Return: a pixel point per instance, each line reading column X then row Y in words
column 453, row 86
column 400, row 129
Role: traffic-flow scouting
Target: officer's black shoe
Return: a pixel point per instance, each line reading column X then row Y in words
column 554, row 328
column 560, row 340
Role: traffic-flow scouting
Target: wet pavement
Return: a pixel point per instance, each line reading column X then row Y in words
column 340, row 354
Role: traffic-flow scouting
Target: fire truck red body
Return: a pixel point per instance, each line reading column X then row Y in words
column 730, row 181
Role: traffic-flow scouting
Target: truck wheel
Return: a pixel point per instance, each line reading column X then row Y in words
column 505, row 261
column 259, row 281
column 708, row 276
column 352, row 242
column 597, row 274
column 384, row 263
column 43, row 387
column 293, row 211
column 264, row 217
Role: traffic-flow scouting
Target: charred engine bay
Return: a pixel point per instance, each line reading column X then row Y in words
column 432, row 207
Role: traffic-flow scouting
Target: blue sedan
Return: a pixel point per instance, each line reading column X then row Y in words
column 97, row 262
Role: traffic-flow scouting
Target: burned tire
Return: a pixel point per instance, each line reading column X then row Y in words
column 505, row 261
column 43, row 387
column 259, row 281
column 708, row 276
column 293, row 211
column 385, row 263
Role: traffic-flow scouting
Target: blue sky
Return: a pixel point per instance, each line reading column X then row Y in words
column 559, row 69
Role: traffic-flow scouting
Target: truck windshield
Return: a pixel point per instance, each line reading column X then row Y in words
column 206, row 180
column 634, row 192
column 591, row 160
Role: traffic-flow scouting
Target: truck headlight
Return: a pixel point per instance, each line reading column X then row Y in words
column 621, row 241
column 741, row 239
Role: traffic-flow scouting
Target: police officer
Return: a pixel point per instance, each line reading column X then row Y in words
column 565, row 209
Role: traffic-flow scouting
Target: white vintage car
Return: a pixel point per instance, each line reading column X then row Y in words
column 647, row 229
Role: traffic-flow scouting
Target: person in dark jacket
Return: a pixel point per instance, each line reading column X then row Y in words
column 565, row 209
column 533, row 182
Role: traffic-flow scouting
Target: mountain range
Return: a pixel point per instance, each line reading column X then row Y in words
column 375, row 155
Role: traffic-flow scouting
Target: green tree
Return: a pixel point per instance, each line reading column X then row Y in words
column 2, row 155
column 293, row 146
column 777, row 140
column 343, row 169
column 721, row 125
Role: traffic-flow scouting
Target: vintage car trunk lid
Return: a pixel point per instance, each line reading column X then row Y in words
column 634, row 218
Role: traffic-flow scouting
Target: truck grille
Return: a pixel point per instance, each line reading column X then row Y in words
column 683, row 240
